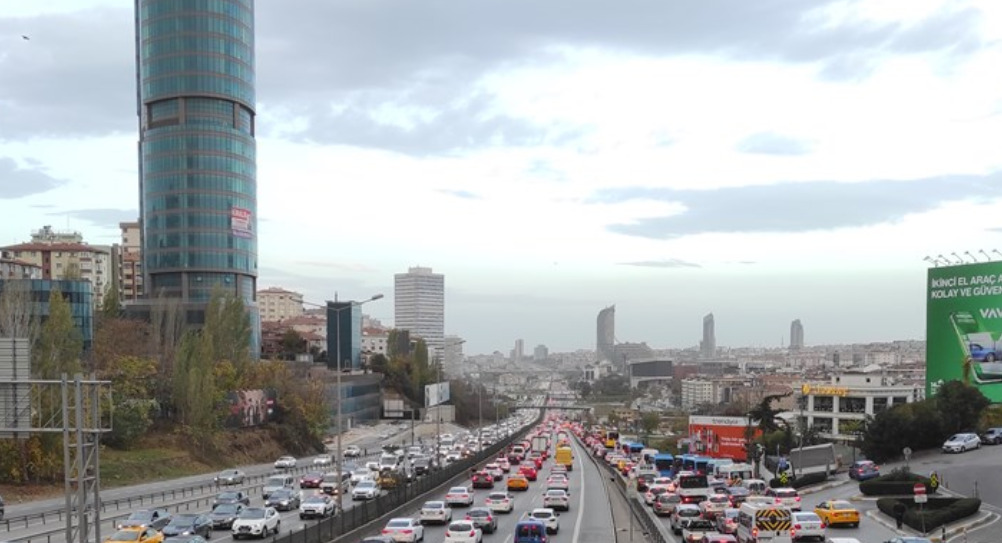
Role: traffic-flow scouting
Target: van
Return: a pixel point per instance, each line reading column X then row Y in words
column 564, row 457
column 755, row 486
column 389, row 461
column 530, row 531
column 764, row 522
column 277, row 482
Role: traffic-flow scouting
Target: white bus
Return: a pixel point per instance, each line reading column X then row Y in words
column 693, row 488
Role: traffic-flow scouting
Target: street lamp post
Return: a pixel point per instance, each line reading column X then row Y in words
column 338, row 457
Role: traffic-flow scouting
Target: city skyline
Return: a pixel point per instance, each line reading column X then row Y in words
column 769, row 162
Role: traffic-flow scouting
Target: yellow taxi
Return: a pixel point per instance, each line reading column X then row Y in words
column 135, row 534
column 837, row 512
column 518, row 482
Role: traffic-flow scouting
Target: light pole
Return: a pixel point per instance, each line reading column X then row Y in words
column 337, row 458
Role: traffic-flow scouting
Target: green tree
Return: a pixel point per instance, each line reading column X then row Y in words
column 767, row 416
column 59, row 344
column 650, row 422
column 16, row 318
column 228, row 324
column 960, row 406
column 378, row 363
column 292, row 343
column 111, row 306
column 194, row 382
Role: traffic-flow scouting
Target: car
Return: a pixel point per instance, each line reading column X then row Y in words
column 483, row 479
column 500, row 502
column 862, row 470
column 713, row 505
column 959, row 443
column 529, row 470
column 463, row 531
column 377, row 539
column 136, row 534
column 483, row 518
column 737, row 495
column 232, row 496
column 835, row 512
column 189, row 524
column 807, row 525
column 548, row 517
column 358, row 475
column 437, row 512
column 517, row 482
column 459, row 495
column 335, row 483
column 317, row 506
column 909, row 539
column 503, row 464
column 557, row 499
column 682, row 511
column 146, row 518
column 323, row 460
column 557, row 482
column 285, row 462
column 311, row 480
column 224, row 514
column 495, row 471
column 992, row 436
column 404, row 530
column 230, row 477
column 666, row 503
column 693, row 529
column 256, row 522
column 786, row 496
column 284, row 499
column 184, row 539
column 727, row 521
column 842, row 540
column 365, row 490
column 352, row 451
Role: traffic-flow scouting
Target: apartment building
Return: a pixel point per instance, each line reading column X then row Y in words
column 127, row 262
column 65, row 256
column 277, row 304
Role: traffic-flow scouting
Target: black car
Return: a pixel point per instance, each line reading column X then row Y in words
column 146, row 518
column 189, row 524
column 992, row 436
column 422, row 466
column 224, row 514
column 231, row 496
column 644, row 480
column 284, row 499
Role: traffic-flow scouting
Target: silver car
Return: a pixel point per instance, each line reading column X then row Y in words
column 230, row 477
column 959, row 443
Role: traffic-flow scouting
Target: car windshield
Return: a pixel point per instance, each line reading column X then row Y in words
column 141, row 515
column 689, row 512
column 806, row 517
column 555, row 493
column 460, row 527
column 698, row 524
column 184, row 520
column 228, row 472
column 228, row 495
column 275, row 481
column 786, row 493
column 281, row 494
column 496, row 496
column 252, row 513
column 458, row 490
column 226, row 509
column 434, row 505
column 478, row 513
column 841, row 505
column 315, row 499
column 541, row 514
column 365, row 484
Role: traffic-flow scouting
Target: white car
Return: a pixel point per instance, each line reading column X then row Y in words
column 361, row 474
column 557, row 499
column 500, row 502
column 372, row 465
column 330, row 483
column 365, row 490
column 557, row 482
column 807, row 525
column 256, row 522
column 316, row 506
column 404, row 530
column 495, row 471
column 463, row 531
column 285, row 462
column 959, row 443
column 323, row 460
column 352, row 451
column 459, row 495
column 548, row 517
column 435, row 511
column 788, row 497
column 713, row 505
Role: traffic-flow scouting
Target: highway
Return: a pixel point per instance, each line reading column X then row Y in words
column 588, row 521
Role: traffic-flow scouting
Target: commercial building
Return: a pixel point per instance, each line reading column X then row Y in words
column 197, row 166
column 127, row 262
column 837, row 408
column 641, row 371
column 65, row 256
column 796, row 335
column 361, row 398
column 605, row 333
column 540, row 353
column 278, row 304
column 452, row 356
column 344, row 332
column 419, row 306
column 708, row 346
column 37, row 293
column 696, row 392
column 374, row 340
column 518, row 352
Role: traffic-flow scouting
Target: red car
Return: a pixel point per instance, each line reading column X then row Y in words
column 529, row 470
column 537, row 459
column 311, row 480
column 483, row 479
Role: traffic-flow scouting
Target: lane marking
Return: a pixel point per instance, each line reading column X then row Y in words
column 581, row 500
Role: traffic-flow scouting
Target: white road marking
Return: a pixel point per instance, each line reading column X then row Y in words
column 577, row 524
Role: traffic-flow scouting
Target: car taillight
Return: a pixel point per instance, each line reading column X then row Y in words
column 407, row 531
column 796, row 526
column 779, row 500
column 754, row 533
column 823, row 526
column 798, row 498
column 385, row 531
column 473, row 533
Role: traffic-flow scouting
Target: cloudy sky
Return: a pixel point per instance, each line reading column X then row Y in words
column 764, row 160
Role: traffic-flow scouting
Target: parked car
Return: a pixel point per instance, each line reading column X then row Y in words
column 992, row 436
column 256, row 522
column 862, row 470
column 189, row 524
column 959, row 443
column 230, row 477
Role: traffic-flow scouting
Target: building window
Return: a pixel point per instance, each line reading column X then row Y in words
column 898, row 400
column 852, row 405
column 823, row 424
column 879, row 404
column 824, row 404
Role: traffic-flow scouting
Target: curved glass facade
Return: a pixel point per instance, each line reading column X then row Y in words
column 197, row 147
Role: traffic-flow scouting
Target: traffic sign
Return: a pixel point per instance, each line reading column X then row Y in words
column 920, row 495
column 907, row 452
column 919, row 488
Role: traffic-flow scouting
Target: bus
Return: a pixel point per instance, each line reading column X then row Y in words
column 693, row 488
column 632, row 449
column 611, row 439
column 665, row 464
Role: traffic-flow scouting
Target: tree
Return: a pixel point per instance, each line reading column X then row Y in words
column 764, row 413
column 960, row 406
column 292, row 343
column 111, row 306
column 132, row 384
column 16, row 319
column 167, row 329
column 378, row 363
column 650, row 422
column 227, row 322
column 119, row 337
column 59, row 344
column 194, row 382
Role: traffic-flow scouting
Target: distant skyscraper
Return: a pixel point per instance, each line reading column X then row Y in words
column 519, row 351
column 540, row 353
column 419, row 306
column 344, row 331
column 708, row 347
column 197, row 151
column 796, row 335
column 605, row 347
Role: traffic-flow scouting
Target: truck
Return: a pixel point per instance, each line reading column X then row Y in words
column 541, row 444
column 813, row 459
column 564, row 457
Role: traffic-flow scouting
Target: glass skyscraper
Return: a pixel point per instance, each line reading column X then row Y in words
column 198, row 187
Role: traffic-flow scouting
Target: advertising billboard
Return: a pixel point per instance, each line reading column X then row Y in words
column 249, row 407
column 964, row 327
column 720, row 437
column 241, row 222
column 436, row 393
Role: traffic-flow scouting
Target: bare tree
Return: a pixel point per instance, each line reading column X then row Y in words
column 16, row 319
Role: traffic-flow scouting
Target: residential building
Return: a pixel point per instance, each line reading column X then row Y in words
column 796, row 335
column 605, row 342
column 127, row 262
column 708, row 346
column 374, row 340
column 78, row 292
column 696, row 392
column 197, row 152
column 277, row 304
column 540, row 353
column 452, row 356
column 838, row 408
column 419, row 306
column 65, row 256
column 12, row 268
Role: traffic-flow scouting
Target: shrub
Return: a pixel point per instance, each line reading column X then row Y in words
column 800, row 482
column 937, row 512
column 895, row 483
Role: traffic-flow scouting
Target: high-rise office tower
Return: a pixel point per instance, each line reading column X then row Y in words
column 605, row 344
column 796, row 335
column 708, row 347
column 197, row 152
column 519, row 351
column 419, row 306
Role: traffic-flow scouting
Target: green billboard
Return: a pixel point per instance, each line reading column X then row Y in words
column 964, row 327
